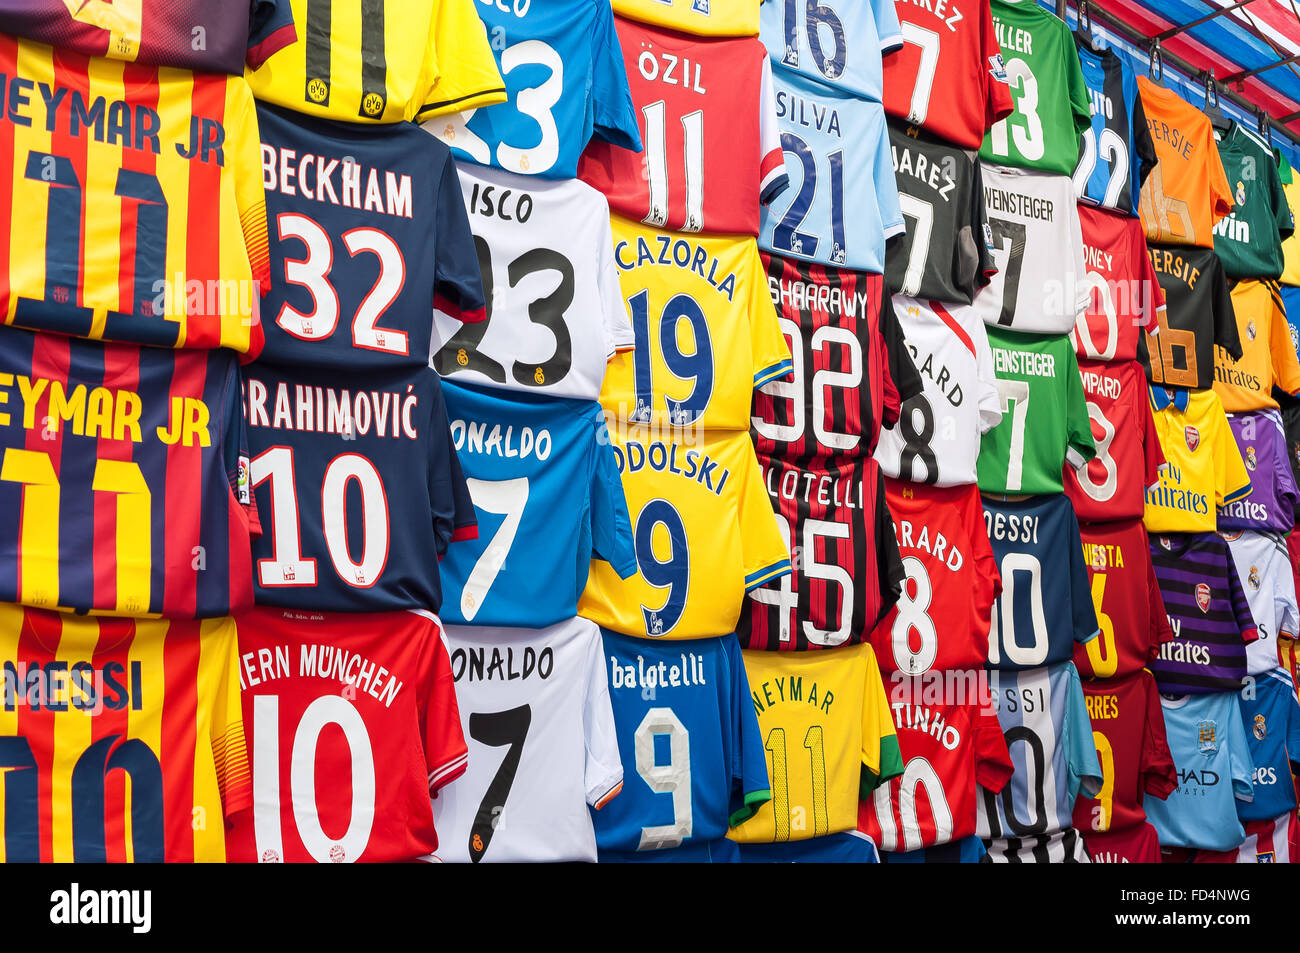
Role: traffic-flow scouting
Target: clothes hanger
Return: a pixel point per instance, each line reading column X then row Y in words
column 1156, row 63
column 1220, row 122
column 1265, row 127
column 1083, row 31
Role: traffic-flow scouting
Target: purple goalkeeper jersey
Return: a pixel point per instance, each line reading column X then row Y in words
column 1261, row 438
column 1208, row 613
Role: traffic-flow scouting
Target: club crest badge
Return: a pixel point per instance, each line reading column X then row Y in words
column 1241, row 192
column 1203, row 596
column 1253, row 578
column 1192, row 436
column 1260, row 728
column 1206, row 737
column 1250, row 330
column 1251, row 462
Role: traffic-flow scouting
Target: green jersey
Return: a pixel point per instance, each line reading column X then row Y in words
column 1044, row 414
column 1249, row 241
column 1052, row 105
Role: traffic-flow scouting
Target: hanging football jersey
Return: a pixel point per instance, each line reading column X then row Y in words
column 536, row 715
column 947, row 253
column 1270, row 713
column 1116, row 151
column 1045, row 606
column 565, row 84
column 555, row 313
column 1041, row 283
column 937, row 437
column 1123, row 288
column 706, row 111
column 842, row 203
column 846, row 847
column 1264, row 571
column 1273, row 495
column 1046, row 82
column 1268, row 359
column 1291, row 244
column 837, row 42
column 546, row 494
column 700, row 17
column 1249, row 240
column 1199, row 315
column 1136, row 845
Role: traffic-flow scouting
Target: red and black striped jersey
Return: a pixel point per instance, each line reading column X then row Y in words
column 126, row 474
column 846, row 567
column 851, row 370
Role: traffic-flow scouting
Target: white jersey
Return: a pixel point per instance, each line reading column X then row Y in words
column 1264, row 569
column 1041, row 284
column 555, row 312
column 937, row 437
column 534, row 706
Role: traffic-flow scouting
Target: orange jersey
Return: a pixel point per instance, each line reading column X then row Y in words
column 1267, row 355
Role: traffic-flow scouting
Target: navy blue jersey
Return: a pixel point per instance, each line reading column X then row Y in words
column 1271, row 716
column 968, row 850
column 368, row 235
column 846, row 847
column 357, row 485
column 545, row 485
column 1046, row 604
column 1116, row 152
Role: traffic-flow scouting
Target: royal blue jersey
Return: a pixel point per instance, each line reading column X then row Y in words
column 1270, row 714
column 1046, row 602
column 546, row 489
column 846, row 847
column 357, row 485
column 693, row 760
column 565, row 83
column 368, row 235
column 837, row 42
column 1116, row 153
column 842, row 202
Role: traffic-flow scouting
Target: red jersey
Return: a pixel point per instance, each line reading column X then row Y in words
column 941, row 619
column 706, row 111
column 1128, row 728
column 1130, row 611
column 947, row 750
column 1136, row 845
column 1124, row 292
column 948, row 77
column 352, row 723
column 1112, row 485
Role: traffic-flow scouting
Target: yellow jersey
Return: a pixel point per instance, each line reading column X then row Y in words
column 701, row 17
column 1267, row 355
column 826, row 724
column 1290, row 244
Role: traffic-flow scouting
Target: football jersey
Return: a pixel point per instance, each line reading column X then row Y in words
column 848, row 574
column 546, row 494
column 948, row 748
column 1128, row 731
column 1199, row 314
column 850, row 366
column 968, row 850
column 382, row 61
column 352, row 724
column 706, row 111
column 1187, row 192
column 705, row 330
column 1126, row 597
column 1208, row 613
column 693, row 761
column 1268, row 358
column 555, row 313
column 123, row 736
column 1124, row 293
column 1045, row 723
column 565, row 84
column 1214, row 767
column 1116, row 152
column 1060, row 847
column 158, row 33
column 1249, row 240
column 329, row 463
column 1264, row 571
column 1045, row 606
column 1037, row 245
column 1112, row 485
column 942, row 617
column 1270, row 714
column 124, row 471
column 1203, row 467
column 846, row 847
column 1137, row 845
column 960, row 46
column 535, row 710
column 150, row 229
column 700, row 17
column 858, row 33
column 704, row 531
column 937, row 438
column 1045, row 420
column 1270, row 841
column 1273, row 495
column 1291, row 243
column 946, row 254
column 834, row 212
column 1053, row 108
column 355, row 279
column 825, row 724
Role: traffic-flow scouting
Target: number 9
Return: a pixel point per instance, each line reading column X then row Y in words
column 672, row 573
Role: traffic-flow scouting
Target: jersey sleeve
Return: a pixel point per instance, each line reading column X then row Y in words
column 1231, row 481
column 1286, row 611
column 1082, row 288
column 1152, row 296
column 887, row 26
column 1144, row 145
column 881, row 757
column 237, row 457
column 465, row 72
column 614, row 114
column 1083, row 612
column 993, row 767
column 1286, row 368
column 270, row 29
column 614, row 317
column 604, row 770
column 445, row 752
column 611, row 530
column 1158, row 777
column 1240, row 606
column 987, row 575
column 999, row 103
column 1082, row 763
column 750, row 787
column 990, row 401
column 1153, row 455
column 1080, row 100
column 891, row 213
column 451, row 506
column 1221, row 203
column 770, row 353
column 226, row 725
column 457, row 281
column 772, row 176
column 1242, row 764
column 985, row 266
column 889, row 561
column 1225, row 314
column 902, row 369
column 1160, row 630
column 765, row 551
column 1080, row 446
column 1292, row 726
column 1281, row 208
column 243, row 139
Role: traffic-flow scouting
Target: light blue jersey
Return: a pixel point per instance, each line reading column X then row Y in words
column 837, row 42
column 1270, row 714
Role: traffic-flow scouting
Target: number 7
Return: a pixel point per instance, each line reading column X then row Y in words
column 505, row 498
column 1016, row 392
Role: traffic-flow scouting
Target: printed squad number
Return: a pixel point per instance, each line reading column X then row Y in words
column 318, row 36
column 920, row 214
column 816, row 17
column 656, row 159
column 1104, row 804
column 695, row 366
column 1099, row 291
column 497, row 729
column 786, row 235
column 1015, row 401
column 917, row 441
column 672, row 573
column 927, row 43
column 1009, row 255
column 783, row 596
column 505, row 498
column 1024, row 125
column 1037, row 767
column 913, row 617
column 1104, row 489
column 673, row 778
column 1101, row 650
column 1166, row 368
column 1004, row 613
column 831, row 389
column 1114, row 150
column 918, row 775
column 814, row 744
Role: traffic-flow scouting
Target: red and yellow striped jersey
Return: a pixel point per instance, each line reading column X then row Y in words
column 120, row 739
column 131, row 198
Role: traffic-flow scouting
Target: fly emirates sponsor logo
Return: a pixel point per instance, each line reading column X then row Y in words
column 1171, row 494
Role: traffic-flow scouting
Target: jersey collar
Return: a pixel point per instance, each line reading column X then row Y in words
column 1162, row 398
